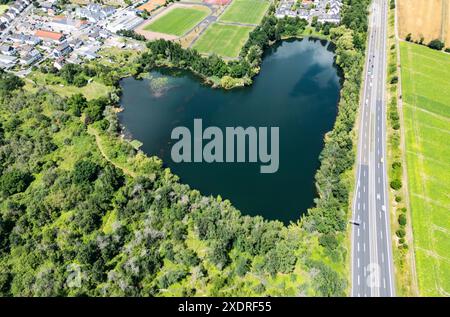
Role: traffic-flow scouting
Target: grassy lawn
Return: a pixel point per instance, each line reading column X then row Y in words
column 245, row 11
column 224, row 40
column 3, row 8
column 178, row 21
column 92, row 90
column 426, row 109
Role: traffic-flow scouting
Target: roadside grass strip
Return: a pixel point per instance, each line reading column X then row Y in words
column 426, row 109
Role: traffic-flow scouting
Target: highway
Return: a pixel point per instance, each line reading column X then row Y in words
column 371, row 255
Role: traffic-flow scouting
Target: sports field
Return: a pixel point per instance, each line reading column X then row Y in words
column 223, row 39
column 178, row 20
column 426, row 110
column 245, row 11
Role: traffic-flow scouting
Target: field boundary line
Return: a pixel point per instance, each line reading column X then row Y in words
column 428, row 111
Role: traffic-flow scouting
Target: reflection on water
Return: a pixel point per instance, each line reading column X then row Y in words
column 297, row 91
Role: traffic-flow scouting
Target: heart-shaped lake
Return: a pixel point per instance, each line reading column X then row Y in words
column 297, row 90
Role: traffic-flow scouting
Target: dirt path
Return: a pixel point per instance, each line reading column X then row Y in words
column 98, row 141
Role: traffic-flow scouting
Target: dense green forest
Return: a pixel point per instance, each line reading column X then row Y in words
column 83, row 213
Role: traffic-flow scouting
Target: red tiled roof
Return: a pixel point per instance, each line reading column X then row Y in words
column 49, row 35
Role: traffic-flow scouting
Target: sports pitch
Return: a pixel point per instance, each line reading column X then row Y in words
column 245, row 11
column 426, row 110
column 178, row 20
column 222, row 39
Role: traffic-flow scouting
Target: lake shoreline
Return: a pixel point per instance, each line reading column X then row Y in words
column 297, row 71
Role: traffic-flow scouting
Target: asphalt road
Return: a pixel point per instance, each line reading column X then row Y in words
column 372, row 265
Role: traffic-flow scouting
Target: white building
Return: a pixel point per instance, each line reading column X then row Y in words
column 7, row 61
column 128, row 21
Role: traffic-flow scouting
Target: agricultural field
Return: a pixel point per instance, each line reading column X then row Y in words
column 223, row 39
column 427, row 18
column 426, row 111
column 245, row 11
column 178, row 20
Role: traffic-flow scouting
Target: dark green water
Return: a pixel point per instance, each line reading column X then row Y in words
column 297, row 90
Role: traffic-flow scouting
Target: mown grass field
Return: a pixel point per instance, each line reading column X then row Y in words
column 245, row 11
column 3, row 8
column 178, row 21
column 426, row 110
column 222, row 39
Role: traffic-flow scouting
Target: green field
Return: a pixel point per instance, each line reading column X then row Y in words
column 224, row 40
column 426, row 109
column 3, row 8
column 245, row 11
column 178, row 21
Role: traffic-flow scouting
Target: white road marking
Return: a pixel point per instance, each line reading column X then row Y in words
column 358, row 248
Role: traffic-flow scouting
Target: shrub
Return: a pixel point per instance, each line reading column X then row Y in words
column 400, row 233
column 396, row 184
column 394, row 79
column 402, row 220
column 85, row 171
column 436, row 44
column 15, row 181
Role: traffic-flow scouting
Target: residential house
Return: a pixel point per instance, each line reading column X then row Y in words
column 11, row 14
column 24, row 39
column 95, row 12
column 7, row 50
column 59, row 63
column 7, row 61
column 62, row 50
column 29, row 55
column 5, row 19
column 15, row 8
